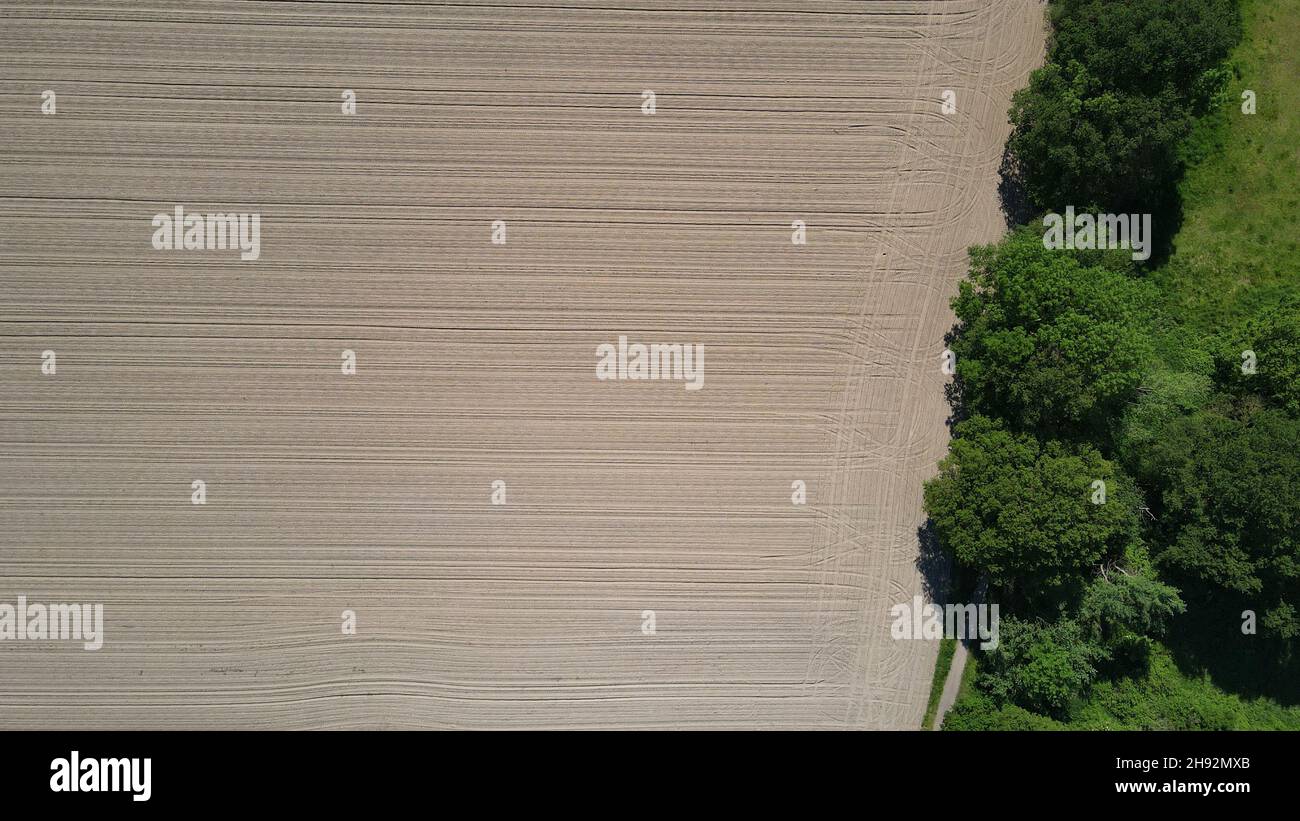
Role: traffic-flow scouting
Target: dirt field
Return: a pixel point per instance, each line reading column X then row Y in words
column 475, row 362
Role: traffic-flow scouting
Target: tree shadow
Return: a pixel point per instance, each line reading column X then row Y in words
column 937, row 571
column 1207, row 640
column 952, row 392
column 1017, row 209
column 1167, row 221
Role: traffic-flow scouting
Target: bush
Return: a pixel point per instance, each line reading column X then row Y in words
column 1273, row 338
column 976, row 711
column 1041, row 667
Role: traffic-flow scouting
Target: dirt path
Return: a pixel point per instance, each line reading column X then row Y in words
column 951, row 685
column 371, row 492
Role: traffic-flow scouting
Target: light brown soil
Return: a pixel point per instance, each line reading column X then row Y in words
column 476, row 362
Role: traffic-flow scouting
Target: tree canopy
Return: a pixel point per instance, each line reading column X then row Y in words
column 1271, row 343
column 1146, row 46
column 1024, row 512
column 1040, row 666
column 1078, row 143
column 1101, row 125
column 1047, row 341
column 1228, row 495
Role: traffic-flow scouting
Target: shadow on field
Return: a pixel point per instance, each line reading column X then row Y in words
column 1016, row 207
column 938, row 576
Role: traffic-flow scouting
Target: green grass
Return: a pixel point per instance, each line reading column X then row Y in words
column 1162, row 699
column 947, row 647
column 1166, row 699
column 968, row 676
column 1237, row 250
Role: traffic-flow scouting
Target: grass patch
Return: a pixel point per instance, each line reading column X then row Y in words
column 1167, row 699
column 947, row 647
column 1162, row 698
column 1237, row 250
column 966, row 689
column 968, row 676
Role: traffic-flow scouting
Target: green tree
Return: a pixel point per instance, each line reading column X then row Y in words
column 1047, row 341
column 1147, row 46
column 1271, row 342
column 1227, row 492
column 1102, row 124
column 1042, row 667
column 1078, row 143
column 1165, row 397
column 1122, row 611
column 1023, row 512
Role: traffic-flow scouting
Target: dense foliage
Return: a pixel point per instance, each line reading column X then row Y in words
column 1042, row 666
column 1147, row 46
column 1271, row 342
column 1078, row 144
column 1101, row 124
column 1074, row 370
column 1022, row 511
column 1050, row 341
column 1227, row 491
